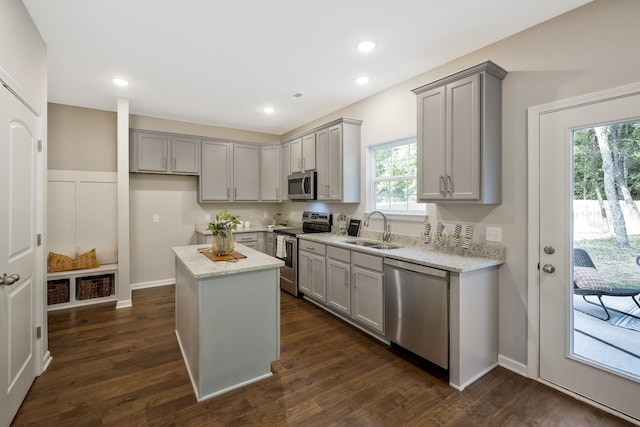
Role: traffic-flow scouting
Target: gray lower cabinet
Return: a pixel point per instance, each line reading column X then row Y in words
column 157, row 152
column 367, row 296
column 339, row 279
column 350, row 284
column 459, row 137
column 311, row 270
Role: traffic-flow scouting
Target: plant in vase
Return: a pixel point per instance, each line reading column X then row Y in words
column 222, row 231
column 276, row 217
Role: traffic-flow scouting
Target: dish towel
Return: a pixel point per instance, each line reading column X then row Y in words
column 281, row 247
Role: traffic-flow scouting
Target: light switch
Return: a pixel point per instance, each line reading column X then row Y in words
column 207, row 217
column 494, row 234
column 156, row 217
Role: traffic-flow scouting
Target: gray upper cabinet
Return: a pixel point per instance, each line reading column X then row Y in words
column 246, row 172
column 459, row 137
column 338, row 161
column 157, row 152
column 215, row 177
column 270, row 173
column 286, row 170
column 303, row 153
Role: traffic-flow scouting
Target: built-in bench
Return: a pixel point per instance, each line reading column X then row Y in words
column 82, row 287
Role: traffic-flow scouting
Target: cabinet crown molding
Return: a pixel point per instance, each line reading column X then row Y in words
column 322, row 126
column 486, row 67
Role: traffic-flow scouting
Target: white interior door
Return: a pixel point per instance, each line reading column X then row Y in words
column 17, row 253
column 558, row 363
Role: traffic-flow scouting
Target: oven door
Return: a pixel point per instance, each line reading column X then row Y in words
column 288, row 273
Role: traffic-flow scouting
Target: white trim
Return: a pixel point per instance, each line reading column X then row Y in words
column 18, row 91
column 153, row 284
column 124, row 304
column 533, row 221
column 46, row 361
column 512, row 365
column 474, row 378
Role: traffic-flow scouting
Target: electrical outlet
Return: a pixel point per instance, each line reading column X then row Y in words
column 207, row 217
column 265, row 215
column 156, row 217
column 494, row 234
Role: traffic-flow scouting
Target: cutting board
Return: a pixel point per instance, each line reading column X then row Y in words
column 233, row 257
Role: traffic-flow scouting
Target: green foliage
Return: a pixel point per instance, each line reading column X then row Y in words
column 224, row 221
column 624, row 138
column 396, row 167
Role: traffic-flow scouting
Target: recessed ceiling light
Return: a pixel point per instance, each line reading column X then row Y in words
column 366, row 46
column 120, row 82
column 269, row 110
column 362, row 80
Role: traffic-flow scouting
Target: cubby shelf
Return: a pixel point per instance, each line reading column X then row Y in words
column 73, row 279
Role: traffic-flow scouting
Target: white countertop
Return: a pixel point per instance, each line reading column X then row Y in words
column 428, row 257
column 204, row 230
column 202, row 267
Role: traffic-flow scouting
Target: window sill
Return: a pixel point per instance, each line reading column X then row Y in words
column 417, row 217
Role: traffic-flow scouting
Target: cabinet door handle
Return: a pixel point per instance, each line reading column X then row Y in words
column 449, row 185
column 299, row 165
column 235, row 194
column 277, row 194
column 303, row 163
column 442, row 185
column 227, row 192
column 165, row 162
column 173, row 164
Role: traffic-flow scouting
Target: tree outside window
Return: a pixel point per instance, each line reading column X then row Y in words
column 393, row 177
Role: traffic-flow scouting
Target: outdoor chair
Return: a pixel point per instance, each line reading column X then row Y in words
column 588, row 282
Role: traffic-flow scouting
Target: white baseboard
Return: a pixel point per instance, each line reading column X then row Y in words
column 46, row 361
column 152, row 284
column 513, row 365
column 124, row 304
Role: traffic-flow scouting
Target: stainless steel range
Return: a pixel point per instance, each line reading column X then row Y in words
column 287, row 246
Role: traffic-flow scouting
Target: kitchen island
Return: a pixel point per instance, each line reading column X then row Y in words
column 227, row 318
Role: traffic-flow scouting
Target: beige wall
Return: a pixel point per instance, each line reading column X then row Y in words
column 586, row 50
column 81, row 139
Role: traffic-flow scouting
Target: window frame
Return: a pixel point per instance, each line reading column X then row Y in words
column 408, row 215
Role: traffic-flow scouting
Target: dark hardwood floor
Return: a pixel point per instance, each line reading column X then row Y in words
column 124, row 367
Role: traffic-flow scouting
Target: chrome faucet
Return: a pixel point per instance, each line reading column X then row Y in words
column 386, row 229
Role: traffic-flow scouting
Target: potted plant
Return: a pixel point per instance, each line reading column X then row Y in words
column 276, row 217
column 222, row 231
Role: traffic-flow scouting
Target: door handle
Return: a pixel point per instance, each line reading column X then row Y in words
column 442, row 185
column 9, row 280
column 449, row 185
column 548, row 268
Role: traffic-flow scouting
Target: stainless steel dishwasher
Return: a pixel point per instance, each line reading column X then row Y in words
column 416, row 313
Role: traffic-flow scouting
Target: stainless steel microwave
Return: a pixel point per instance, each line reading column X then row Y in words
column 302, row 186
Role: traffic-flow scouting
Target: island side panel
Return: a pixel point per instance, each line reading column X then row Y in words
column 187, row 321
column 239, row 326
column 473, row 334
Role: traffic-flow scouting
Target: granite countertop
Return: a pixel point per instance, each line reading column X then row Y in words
column 202, row 228
column 202, row 267
column 416, row 255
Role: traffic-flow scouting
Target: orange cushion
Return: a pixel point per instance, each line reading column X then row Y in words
column 57, row 262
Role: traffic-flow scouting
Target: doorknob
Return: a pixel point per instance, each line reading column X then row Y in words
column 549, row 250
column 548, row 268
column 9, row 280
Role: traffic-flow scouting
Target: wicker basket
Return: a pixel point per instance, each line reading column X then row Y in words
column 94, row 286
column 57, row 291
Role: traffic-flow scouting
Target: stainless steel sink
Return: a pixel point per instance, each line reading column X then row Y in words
column 373, row 245
column 385, row 246
column 365, row 243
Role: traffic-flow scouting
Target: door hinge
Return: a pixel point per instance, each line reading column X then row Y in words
column 39, row 332
column 39, row 146
column 39, row 239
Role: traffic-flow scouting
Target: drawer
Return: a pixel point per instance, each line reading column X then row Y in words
column 339, row 254
column 367, row 261
column 314, row 247
column 245, row 237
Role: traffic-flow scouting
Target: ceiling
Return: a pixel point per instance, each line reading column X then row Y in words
column 221, row 62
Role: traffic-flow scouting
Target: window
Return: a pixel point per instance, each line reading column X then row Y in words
column 393, row 177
